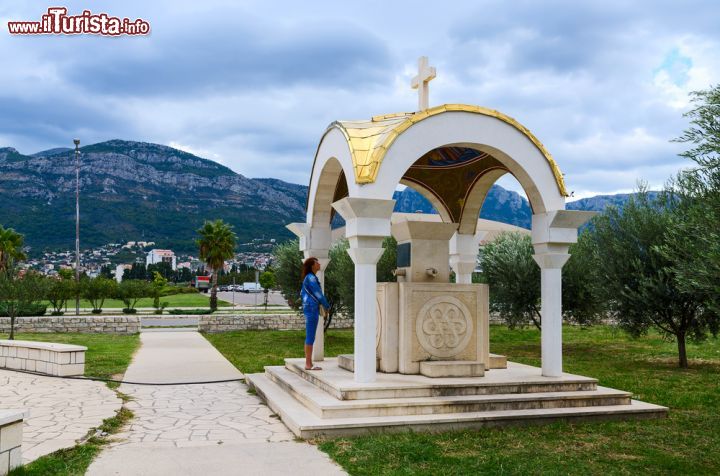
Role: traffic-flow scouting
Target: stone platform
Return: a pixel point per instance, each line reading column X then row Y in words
column 329, row 402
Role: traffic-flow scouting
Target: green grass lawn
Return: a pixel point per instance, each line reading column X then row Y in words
column 175, row 300
column 687, row 442
column 250, row 351
column 107, row 356
column 76, row 460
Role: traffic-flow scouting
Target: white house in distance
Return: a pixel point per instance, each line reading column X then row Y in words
column 120, row 270
column 161, row 256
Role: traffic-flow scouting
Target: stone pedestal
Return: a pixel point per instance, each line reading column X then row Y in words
column 421, row 322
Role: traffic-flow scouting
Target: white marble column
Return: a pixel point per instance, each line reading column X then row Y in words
column 315, row 241
column 551, row 310
column 319, row 347
column 552, row 234
column 367, row 223
column 463, row 255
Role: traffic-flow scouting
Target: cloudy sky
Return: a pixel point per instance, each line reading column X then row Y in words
column 253, row 85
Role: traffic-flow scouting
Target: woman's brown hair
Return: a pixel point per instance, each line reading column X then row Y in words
column 308, row 266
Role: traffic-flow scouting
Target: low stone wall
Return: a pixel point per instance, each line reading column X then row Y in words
column 42, row 357
column 11, row 433
column 74, row 324
column 219, row 323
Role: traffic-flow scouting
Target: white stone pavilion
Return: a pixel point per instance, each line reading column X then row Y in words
column 452, row 154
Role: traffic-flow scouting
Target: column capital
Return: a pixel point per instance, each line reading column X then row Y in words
column 466, row 243
column 463, row 249
column 551, row 260
column 314, row 240
column 365, row 217
column 362, row 255
column 558, row 226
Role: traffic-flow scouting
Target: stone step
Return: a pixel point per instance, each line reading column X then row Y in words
column 305, row 424
column 347, row 362
column 452, row 368
column 325, row 405
column 340, row 384
column 498, row 361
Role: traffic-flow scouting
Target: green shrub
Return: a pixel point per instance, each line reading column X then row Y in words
column 190, row 311
column 172, row 290
column 129, row 310
column 28, row 310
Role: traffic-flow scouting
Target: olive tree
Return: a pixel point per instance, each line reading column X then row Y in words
column 638, row 277
column 130, row 292
column 514, row 279
column 18, row 293
column 96, row 290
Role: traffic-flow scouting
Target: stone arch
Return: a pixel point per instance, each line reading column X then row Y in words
column 517, row 153
column 434, row 200
column 330, row 171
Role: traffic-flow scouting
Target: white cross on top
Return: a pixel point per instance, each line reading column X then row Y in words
column 420, row 82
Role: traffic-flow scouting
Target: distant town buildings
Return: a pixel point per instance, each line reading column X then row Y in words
column 139, row 244
column 115, row 258
column 161, row 256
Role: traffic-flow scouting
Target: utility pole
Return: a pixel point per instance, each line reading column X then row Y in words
column 77, row 225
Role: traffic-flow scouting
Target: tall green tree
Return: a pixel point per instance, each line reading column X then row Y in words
column 693, row 241
column 267, row 281
column 130, row 292
column 639, row 280
column 11, row 243
column 217, row 244
column 96, row 290
column 340, row 274
column 59, row 291
column 18, row 293
column 514, row 279
column 287, row 264
column 156, row 289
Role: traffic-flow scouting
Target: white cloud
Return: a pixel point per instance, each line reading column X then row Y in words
column 253, row 86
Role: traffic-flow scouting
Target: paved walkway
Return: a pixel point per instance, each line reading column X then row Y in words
column 200, row 429
column 61, row 411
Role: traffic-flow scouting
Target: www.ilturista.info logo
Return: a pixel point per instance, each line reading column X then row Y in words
column 57, row 22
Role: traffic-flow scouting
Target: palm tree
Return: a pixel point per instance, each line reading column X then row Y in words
column 11, row 243
column 216, row 243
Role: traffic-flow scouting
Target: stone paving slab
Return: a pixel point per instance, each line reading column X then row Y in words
column 216, row 428
column 250, row 459
column 60, row 411
column 189, row 415
column 183, row 356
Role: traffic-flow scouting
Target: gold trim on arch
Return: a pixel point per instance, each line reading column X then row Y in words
column 370, row 140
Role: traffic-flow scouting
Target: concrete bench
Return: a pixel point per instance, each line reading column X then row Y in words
column 43, row 357
column 11, row 430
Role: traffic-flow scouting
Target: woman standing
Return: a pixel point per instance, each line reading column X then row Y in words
column 312, row 299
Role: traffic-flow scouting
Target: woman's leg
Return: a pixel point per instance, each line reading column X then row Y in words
column 311, row 322
column 308, row 356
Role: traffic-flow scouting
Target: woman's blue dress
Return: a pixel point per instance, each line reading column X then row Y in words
column 312, row 298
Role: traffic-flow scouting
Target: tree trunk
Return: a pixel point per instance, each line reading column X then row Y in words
column 213, row 293
column 537, row 321
column 12, row 327
column 682, row 352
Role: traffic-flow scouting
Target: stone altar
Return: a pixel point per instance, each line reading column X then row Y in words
column 425, row 324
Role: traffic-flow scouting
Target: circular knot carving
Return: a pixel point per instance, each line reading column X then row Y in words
column 444, row 326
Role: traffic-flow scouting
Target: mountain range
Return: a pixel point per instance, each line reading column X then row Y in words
column 141, row 191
